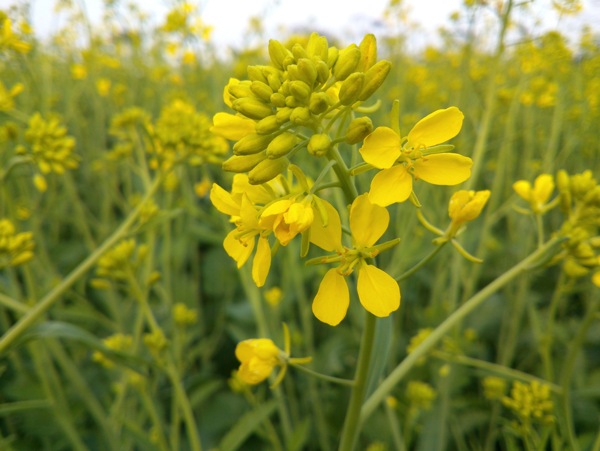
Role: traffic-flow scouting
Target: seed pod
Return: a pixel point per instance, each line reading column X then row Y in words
column 346, row 62
column 351, row 88
column 267, row 125
column 252, row 108
column 251, row 144
column 243, row 163
column 281, row 145
column 374, row 78
column 358, row 129
column 267, row 170
column 261, row 90
column 278, row 53
column 319, row 144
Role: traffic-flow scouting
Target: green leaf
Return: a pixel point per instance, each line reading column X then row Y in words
column 246, row 426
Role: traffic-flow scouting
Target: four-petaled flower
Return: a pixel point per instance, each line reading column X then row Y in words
column 403, row 160
column 378, row 292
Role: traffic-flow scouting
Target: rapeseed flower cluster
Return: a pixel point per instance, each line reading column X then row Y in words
column 530, row 402
column 15, row 248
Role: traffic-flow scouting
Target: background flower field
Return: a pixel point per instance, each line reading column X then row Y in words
column 120, row 310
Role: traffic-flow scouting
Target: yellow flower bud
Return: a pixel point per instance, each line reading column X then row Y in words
column 332, row 56
column 319, row 144
column 283, row 115
column 281, row 145
column 278, row 54
column 274, row 81
column 258, row 357
column 346, row 62
column 299, row 52
column 252, row 108
column 239, row 89
column 359, row 129
column 40, row 183
column 267, row 170
column 243, row 163
column 374, row 78
column 251, row 144
column 317, row 46
column 273, row 296
column 574, row 269
column 261, row 90
column 300, row 90
column 351, row 88
column 277, row 100
column 267, row 125
column 319, row 102
column 368, row 52
column 322, row 72
column 467, row 205
column 307, row 70
column 300, row 116
column 255, row 73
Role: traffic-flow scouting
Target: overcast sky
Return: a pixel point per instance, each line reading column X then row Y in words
column 344, row 18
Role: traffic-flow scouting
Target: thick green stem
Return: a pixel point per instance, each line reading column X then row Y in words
column 351, row 423
column 55, row 294
column 468, row 307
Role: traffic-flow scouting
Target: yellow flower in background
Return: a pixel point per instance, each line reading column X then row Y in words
column 378, row 292
column 7, row 96
column 408, row 159
column 538, row 194
column 9, row 40
column 15, row 248
column 258, row 357
column 465, row 206
column 103, row 87
column 78, row 72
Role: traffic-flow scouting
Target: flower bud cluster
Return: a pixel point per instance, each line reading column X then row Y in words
column 121, row 261
column 15, row 248
column 530, row 402
column 293, row 102
column 420, row 395
column 51, row 147
column 579, row 197
column 115, row 342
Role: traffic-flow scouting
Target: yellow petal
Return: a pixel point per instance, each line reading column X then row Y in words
column 381, row 148
column 390, row 186
column 443, row 169
column 262, row 262
column 253, row 347
column 237, row 250
column 378, row 292
column 227, row 97
column 542, row 188
column 596, row 279
column 327, row 238
column 232, row 127
column 332, row 300
column 523, row 189
column 368, row 222
column 254, row 371
column 223, row 201
column 436, row 128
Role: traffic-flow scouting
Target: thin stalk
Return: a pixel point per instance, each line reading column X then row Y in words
column 468, row 307
column 37, row 311
column 325, row 377
column 351, row 427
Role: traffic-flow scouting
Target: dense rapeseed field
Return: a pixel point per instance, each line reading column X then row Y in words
column 311, row 244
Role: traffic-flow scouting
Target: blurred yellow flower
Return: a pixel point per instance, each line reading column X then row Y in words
column 78, row 72
column 258, row 357
column 378, row 292
column 538, row 195
column 103, row 86
column 7, row 96
column 465, row 206
column 403, row 160
column 15, row 248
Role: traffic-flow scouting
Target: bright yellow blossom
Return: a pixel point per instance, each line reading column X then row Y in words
column 232, row 127
column 403, row 160
column 288, row 217
column 378, row 292
column 465, row 206
column 538, row 195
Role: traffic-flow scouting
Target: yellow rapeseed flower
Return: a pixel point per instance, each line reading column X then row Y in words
column 402, row 160
column 378, row 292
column 538, row 194
column 465, row 206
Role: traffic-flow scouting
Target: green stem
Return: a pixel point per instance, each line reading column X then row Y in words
column 55, row 294
column 351, row 423
column 468, row 307
column 325, row 377
column 405, row 275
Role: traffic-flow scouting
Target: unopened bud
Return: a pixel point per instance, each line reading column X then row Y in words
column 267, row 125
column 317, row 46
column 351, row 88
column 277, row 100
column 323, row 72
column 299, row 52
column 255, row 73
column 319, row 144
column 281, row 145
column 300, row 90
column 283, row 115
column 368, row 52
column 374, row 78
column 574, row 269
column 243, row 163
column 307, row 71
column 267, row 170
column 300, row 116
column 239, row 90
column 346, row 62
column 274, row 82
column 261, row 90
column 562, row 181
column 332, row 56
column 252, row 108
column 359, row 129
column 251, row 144
column 278, row 53
column 292, row 102
column 319, row 102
